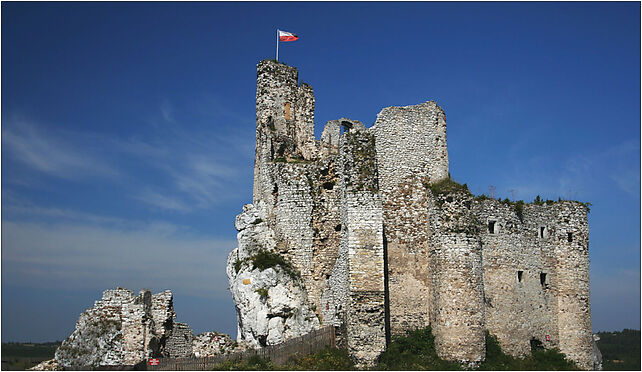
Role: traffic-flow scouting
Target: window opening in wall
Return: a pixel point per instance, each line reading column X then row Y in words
column 541, row 231
column 542, row 279
column 520, row 273
column 346, row 126
column 287, row 111
column 491, row 227
column 569, row 237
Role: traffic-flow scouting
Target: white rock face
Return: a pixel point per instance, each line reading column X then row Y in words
column 271, row 303
column 47, row 365
column 121, row 329
column 209, row 344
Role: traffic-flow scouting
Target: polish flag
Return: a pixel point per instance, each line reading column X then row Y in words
column 287, row 36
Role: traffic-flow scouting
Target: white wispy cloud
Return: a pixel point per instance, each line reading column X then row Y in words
column 579, row 176
column 37, row 148
column 163, row 202
column 76, row 256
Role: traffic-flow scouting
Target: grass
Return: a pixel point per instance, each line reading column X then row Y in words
column 328, row 359
column 253, row 363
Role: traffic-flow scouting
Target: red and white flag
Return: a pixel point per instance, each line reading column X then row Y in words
column 287, row 36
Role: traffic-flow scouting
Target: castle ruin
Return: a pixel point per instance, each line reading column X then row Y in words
column 381, row 248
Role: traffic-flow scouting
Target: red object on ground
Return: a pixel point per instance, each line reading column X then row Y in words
column 154, row 362
column 548, row 337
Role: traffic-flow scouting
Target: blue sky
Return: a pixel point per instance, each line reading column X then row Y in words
column 128, row 132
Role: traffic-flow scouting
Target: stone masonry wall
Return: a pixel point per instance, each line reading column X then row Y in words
column 457, row 315
column 362, row 234
column 573, row 289
column 179, row 343
column 120, row 329
column 411, row 150
column 518, row 306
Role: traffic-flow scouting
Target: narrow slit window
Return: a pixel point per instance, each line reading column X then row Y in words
column 491, row 227
column 541, row 231
column 569, row 237
column 542, row 279
column 287, row 111
column 520, row 274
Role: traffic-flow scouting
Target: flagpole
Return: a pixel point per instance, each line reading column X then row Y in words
column 277, row 45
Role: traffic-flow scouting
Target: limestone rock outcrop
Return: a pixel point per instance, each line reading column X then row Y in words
column 47, row 365
column 269, row 295
column 209, row 344
column 121, row 329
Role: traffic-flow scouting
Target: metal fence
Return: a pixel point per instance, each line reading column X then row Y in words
column 279, row 354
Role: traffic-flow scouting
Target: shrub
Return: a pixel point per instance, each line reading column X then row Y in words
column 519, row 209
column 447, row 186
column 237, row 265
column 263, row 292
column 253, row 363
column 540, row 359
column 328, row 359
column 263, row 260
column 414, row 351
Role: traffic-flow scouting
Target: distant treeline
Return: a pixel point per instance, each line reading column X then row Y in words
column 23, row 355
column 620, row 350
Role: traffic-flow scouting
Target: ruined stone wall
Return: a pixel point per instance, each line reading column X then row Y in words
column 137, row 328
column 162, row 312
column 457, row 314
column 518, row 307
column 362, row 235
column 296, row 185
column 411, row 151
column 573, row 290
column 535, row 281
column 179, row 343
column 121, row 329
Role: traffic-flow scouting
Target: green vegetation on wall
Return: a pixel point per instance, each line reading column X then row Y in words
column 264, row 260
column 446, row 186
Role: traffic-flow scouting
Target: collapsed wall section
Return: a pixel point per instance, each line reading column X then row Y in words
column 411, row 151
